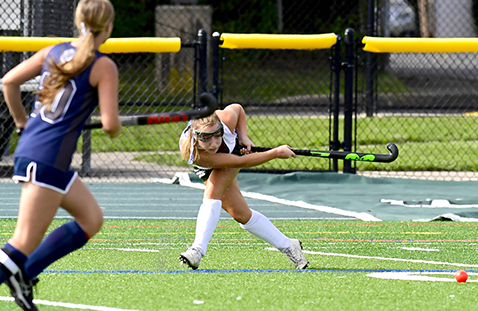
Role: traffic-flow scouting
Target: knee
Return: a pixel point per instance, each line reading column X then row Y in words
column 214, row 192
column 92, row 225
column 241, row 217
column 97, row 225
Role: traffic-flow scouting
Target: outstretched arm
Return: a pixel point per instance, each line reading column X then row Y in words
column 225, row 160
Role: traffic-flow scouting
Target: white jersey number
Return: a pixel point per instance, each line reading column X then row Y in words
column 60, row 103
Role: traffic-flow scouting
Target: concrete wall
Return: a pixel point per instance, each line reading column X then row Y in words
column 175, row 71
column 454, row 18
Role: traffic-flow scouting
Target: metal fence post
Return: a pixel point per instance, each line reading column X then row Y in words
column 202, row 81
column 6, row 121
column 348, row 95
column 335, row 107
column 215, row 64
column 370, row 63
column 85, row 153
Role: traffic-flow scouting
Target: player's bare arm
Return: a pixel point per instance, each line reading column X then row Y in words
column 234, row 117
column 225, row 160
column 12, row 80
column 104, row 76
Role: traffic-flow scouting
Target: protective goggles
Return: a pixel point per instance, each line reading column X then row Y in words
column 205, row 136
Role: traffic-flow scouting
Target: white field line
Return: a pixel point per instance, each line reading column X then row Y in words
column 416, row 276
column 68, row 305
column 183, row 179
column 420, row 249
column 385, row 258
column 128, row 249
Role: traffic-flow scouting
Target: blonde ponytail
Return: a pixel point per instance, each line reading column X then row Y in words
column 60, row 73
column 91, row 18
column 187, row 144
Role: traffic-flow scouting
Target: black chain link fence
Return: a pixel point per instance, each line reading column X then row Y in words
column 424, row 102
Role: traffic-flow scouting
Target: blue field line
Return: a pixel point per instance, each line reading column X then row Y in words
column 248, row 271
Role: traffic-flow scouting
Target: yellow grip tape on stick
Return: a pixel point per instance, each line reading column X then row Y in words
column 275, row 42
column 420, row 45
column 112, row 45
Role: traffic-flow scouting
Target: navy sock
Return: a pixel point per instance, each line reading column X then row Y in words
column 18, row 257
column 15, row 254
column 60, row 242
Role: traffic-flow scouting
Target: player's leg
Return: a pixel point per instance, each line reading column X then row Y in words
column 38, row 206
column 260, row 226
column 254, row 222
column 218, row 182
column 208, row 215
column 81, row 204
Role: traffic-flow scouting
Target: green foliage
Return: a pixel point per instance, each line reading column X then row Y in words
column 238, row 16
column 425, row 143
column 135, row 18
column 435, row 143
column 474, row 10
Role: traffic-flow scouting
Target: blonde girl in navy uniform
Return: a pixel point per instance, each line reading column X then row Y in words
column 75, row 79
column 212, row 145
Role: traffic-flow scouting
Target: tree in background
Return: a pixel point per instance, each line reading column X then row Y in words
column 136, row 18
column 475, row 12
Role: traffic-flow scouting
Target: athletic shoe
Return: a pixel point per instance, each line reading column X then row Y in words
column 21, row 287
column 21, row 290
column 294, row 253
column 191, row 257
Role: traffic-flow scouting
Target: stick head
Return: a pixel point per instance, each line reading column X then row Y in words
column 393, row 152
column 208, row 105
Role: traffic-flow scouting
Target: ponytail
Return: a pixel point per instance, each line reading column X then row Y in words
column 60, row 73
column 91, row 18
column 189, row 147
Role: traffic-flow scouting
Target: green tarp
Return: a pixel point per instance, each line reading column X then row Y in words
column 382, row 198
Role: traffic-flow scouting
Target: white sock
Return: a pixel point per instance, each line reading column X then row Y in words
column 260, row 226
column 206, row 222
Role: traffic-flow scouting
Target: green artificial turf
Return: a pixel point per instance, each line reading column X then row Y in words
column 133, row 265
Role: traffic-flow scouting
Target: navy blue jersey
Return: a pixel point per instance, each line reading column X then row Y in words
column 50, row 137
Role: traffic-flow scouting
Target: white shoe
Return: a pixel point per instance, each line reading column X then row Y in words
column 294, row 253
column 192, row 257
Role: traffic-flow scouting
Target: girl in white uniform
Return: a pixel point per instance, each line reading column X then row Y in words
column 212, row 145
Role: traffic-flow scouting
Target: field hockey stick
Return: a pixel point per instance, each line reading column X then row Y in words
column 344, row 155
column 207, row 100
